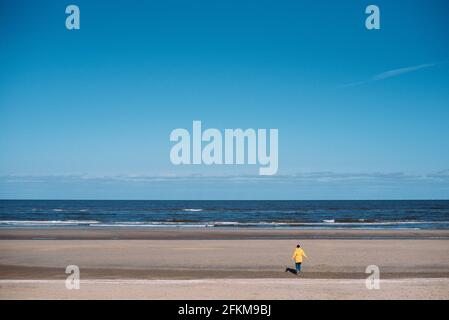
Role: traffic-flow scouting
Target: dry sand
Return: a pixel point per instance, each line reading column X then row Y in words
column 235, row 267
column 229, row 289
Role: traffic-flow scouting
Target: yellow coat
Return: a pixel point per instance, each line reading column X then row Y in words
column 298, row 254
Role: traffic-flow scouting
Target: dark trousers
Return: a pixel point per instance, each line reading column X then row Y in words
column 298, row 266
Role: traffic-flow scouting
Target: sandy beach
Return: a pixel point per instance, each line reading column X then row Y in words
column 222, row 264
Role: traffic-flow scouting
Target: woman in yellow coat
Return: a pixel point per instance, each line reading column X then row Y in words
column 298, row 254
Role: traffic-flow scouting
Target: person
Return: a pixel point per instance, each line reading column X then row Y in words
column 297, row 256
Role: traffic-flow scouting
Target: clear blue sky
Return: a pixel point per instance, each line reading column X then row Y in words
column 88, row 113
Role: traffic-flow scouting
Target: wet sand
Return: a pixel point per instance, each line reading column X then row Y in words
column 93, row 233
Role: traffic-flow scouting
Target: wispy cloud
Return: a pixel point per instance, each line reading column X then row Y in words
column 319, row 177
column 311, row 186
column 392, row 73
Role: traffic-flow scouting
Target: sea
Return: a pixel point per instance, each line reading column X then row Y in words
column 405, row 214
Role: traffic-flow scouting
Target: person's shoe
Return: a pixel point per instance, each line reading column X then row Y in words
column 286, row 269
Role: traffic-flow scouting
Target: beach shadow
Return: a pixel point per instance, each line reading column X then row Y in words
column 291, row 271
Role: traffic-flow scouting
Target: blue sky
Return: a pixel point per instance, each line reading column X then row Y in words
column 87, row 114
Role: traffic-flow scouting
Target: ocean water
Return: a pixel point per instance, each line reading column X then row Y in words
column 226, row 214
